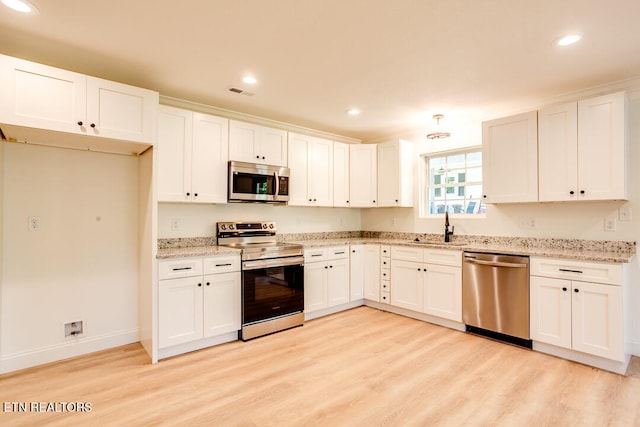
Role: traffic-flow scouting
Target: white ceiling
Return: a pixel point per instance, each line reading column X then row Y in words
column 396, row 60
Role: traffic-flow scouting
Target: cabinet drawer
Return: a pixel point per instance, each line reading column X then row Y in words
column 385, row 297
column 221, row 264
column 385, row 286
column 385, row 274
column 315, row 255
column 405, row 253
column 338, row 252
column 582, row 271
column 385, row 251
column 176, row 268
column 443, row 257
column 385, row 263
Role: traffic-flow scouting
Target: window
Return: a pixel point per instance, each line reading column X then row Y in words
column 453, row 183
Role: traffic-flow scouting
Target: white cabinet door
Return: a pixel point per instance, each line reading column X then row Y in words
column 407, row 284
column 174, row 154
column 221, row 305
column 510, row 159
column 597, row 320
column 550, row 302
column 395, row 174
column 372, row 272
column 179, row 311
column 320, row 169
column 356, row 272
column 257, row 144
column 244, row 140
column 273, row 146
column 209, row 159
column 315, row 286
column 558, row 153
column 298, row 154
column 338, row 282
column 119, row 111
column 443, row 292
column 601, row 147
column 362, row 175
column 340, row 174
column 40, row 96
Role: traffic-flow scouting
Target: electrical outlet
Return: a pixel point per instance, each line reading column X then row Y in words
column 624, row 214
column 527, row 223
column 175, row 224
column 34, row 223
column 73, row 329
column 610, row 223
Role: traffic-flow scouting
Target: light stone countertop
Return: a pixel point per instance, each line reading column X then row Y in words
column 583, row 250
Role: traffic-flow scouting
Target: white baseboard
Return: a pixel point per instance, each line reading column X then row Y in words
column 331, row 310
column 587, row 359
column 634, row 347
column 175, row 350
column 65, row 350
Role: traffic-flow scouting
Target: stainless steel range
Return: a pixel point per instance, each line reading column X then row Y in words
column 272, row 277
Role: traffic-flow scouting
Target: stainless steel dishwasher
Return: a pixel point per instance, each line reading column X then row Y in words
column 495, row 296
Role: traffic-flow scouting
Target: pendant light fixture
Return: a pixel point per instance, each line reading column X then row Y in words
column 437, row 134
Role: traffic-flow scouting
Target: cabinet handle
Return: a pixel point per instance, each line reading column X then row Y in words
column 396, row 200
column 566, row 270
column 309, row 199
column 257, row 157
column 315, row 200
column 316, row 255
column 195, row 194
column 199, row 285
column 224, row 265
column 208, row 283
column 484, row 196
column 338, row 253
column 181, row 268
column 576, row 290
column 93, row 125
column 564, row 289
column 581, row 191
column 326, row 267
column 572, row 192
column 188, row 194
column 374, row 201
column 347, row 201
column 80, row 123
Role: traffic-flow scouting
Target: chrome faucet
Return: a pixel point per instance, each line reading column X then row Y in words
column 447, row 233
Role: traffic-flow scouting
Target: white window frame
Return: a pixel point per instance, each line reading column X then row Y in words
column 426, row 185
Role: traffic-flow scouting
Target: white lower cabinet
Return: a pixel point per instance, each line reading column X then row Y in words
column 427, row 281
column 571, row 313
column 198, row 298
column 371, row 278
column 326, row 278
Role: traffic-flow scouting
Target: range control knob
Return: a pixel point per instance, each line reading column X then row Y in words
column 224, row 227
column 264, row 226
column 271, row 226
column 230, row 226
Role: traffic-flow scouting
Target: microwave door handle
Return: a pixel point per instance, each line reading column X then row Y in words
column 277, row 186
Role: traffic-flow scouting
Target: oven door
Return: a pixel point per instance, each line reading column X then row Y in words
column 272, row 288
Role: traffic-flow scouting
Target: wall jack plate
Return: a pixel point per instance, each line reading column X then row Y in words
column 73, row 329
column 34, row 223
column 610, row 223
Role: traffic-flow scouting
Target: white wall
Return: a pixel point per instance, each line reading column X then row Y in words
column 83, row 262
column 196, row 220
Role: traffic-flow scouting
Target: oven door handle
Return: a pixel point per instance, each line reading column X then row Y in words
column 274, row 262
column 496, row 263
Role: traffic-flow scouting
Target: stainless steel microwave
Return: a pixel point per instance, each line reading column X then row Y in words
column 249, row 182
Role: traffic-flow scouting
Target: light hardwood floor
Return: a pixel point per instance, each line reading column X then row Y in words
column 362, row 367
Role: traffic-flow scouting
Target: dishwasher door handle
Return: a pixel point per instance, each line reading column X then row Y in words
column 496, row 263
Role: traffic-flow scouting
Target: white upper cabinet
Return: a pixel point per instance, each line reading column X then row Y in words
column 362, row 175
column 558, row 152
column 510, row 157
column 602, row 143
column 192, row 156
column 395, row 174
column 42, row 97
column 340, row 174
column 257, row 144
column 582, row 150
column 311, row 166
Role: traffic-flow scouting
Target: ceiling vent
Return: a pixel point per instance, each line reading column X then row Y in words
column 240, row 91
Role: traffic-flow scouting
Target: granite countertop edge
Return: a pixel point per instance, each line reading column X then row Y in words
column 575, row 254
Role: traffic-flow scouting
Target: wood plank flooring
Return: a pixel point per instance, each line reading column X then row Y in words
column 362, row 367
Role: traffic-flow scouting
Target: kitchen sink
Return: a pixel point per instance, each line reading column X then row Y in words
column 444, row 244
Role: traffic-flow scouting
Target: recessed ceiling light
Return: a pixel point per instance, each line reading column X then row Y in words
column 353, row 112
column 20, row 6
column 567, row 40
column 250, row 80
